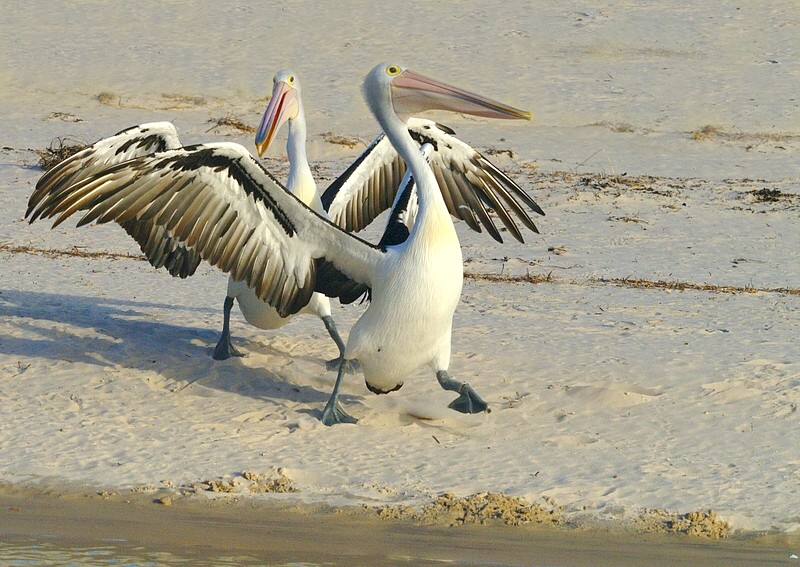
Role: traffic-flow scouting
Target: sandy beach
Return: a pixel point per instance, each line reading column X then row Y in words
column 639, row 356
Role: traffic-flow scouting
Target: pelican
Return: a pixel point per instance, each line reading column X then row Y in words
column 366, row 188
column 285, row 105
column 218, row 201
column 469, row 182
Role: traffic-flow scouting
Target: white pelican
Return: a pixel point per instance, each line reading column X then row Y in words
column 286, row 104
column 217, row 200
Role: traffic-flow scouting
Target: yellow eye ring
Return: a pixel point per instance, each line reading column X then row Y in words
column 290, row 80
column 393, row 70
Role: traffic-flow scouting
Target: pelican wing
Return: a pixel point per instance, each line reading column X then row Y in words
column 219, row 202
column 162, row 249
column 157, row 244
column 366, row 188
column 473, row 188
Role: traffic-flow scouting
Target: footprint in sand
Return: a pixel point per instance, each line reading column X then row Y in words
column 613, row 395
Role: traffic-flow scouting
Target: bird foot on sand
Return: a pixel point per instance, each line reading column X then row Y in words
column 225, row 349
column 334, row 413
column 469, row 401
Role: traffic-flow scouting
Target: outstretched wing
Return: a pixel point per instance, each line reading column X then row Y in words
column 366, row 188
column 471, row 185
column 157, row 244
column 219, row 202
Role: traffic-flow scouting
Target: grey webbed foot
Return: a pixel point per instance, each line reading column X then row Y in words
column 350, row 366
column 468, row 401
column 225, row 349
column 334, row 413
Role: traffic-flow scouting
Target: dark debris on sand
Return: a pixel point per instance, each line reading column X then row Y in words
column 59, row 150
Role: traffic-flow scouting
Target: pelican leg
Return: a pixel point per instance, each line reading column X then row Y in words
column 468, row 401
column 225, row 348
column 334, row 412
column 350, row 366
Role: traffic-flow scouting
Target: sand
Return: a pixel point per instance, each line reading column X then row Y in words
column 639, row 356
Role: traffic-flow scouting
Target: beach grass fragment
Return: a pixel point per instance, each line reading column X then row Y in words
column 231, row 122
column 58, row 150
column 339, row 140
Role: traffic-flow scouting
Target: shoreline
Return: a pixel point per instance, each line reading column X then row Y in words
column 192, row 526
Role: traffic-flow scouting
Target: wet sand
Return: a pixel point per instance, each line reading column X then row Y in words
column 204, row 528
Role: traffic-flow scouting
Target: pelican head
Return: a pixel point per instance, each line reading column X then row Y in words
column 409, row 92
column 284, row 105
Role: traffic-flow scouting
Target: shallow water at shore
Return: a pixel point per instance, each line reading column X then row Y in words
column 77, row 529
column 56, row 552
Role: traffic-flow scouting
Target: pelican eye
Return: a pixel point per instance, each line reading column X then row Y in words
column 290, row 79
column 392, row 70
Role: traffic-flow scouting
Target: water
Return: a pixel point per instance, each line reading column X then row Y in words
column 58, row 552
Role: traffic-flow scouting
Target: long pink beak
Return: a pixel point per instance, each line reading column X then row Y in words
column 279, row 110
column 413, row 92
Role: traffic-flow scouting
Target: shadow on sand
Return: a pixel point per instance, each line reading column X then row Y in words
column 123, row 334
